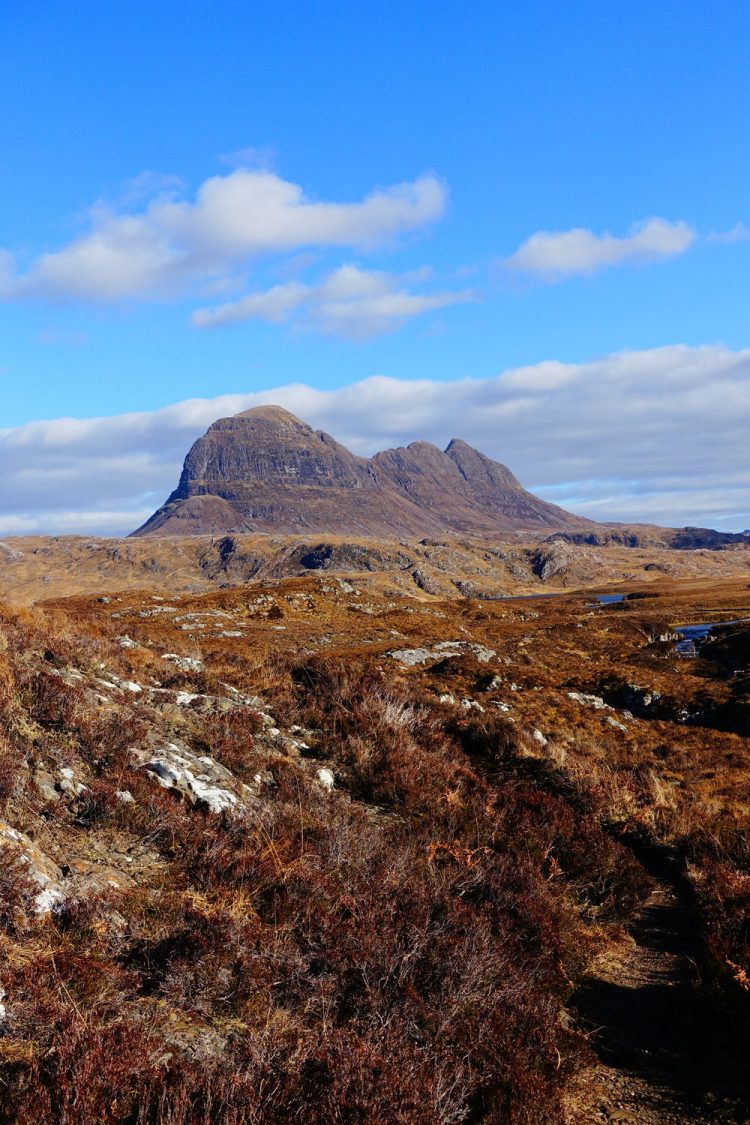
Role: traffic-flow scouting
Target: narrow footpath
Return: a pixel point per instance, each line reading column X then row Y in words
column 663, row 1054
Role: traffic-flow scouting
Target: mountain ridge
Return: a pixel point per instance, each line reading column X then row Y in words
column 265, row 470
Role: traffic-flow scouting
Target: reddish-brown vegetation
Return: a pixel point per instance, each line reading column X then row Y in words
column 401, row 947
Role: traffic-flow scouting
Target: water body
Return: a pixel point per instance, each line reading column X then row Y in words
column 692, row 636
column 600, row 599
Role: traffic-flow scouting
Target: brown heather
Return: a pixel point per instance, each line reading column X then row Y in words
column 406, row 946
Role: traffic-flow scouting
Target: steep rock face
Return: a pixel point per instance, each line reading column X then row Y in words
column 267, row 445
column 496, row 491
column 464, row 489
column 265, row 470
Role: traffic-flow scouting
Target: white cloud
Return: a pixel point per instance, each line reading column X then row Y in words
column 350, row 302
column 172, row 243
column 362, row 317
column 738, row 233
column 655, row 435
column 71, row 523
column 556, row 255
column 275, row 305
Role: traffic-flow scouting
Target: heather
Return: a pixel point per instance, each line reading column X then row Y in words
column 250, row 878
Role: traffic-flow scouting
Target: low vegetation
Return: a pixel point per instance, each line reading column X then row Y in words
column 252, row 875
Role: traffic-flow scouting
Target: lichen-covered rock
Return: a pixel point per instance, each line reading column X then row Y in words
column 184, row 663
column 443, row 650
column 552, row 561
column 41, row 869
column 325, row 778
column 199, row 778
column 87, row 878
column 585, row 700
column 413, row 656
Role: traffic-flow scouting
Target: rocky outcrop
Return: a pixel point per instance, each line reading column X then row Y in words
column 42, row 872
column 200, row 779
column 266, row 471
column 552, row 561
column 646, row 535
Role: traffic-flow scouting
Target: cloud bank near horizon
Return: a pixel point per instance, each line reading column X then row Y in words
column 641, row 436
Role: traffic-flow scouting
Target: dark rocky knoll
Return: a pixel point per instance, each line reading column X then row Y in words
column 266, row 471
column 648, row 535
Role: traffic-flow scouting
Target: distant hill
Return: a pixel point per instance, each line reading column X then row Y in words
column 267, row 471
column 648, row 535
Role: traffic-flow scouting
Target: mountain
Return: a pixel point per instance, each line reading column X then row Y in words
column 267, row 471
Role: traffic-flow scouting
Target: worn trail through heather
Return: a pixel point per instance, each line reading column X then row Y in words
column 663, row 1054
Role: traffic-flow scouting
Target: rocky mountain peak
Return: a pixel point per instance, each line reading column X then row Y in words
column 272, row 414
column 267, row 470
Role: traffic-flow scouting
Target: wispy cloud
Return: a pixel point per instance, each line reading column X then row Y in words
column 172, row 244
column 552, row 256
column 738, row 233
column 251, row 156
column 350, row 302
column 55, row 337
column 676, row 417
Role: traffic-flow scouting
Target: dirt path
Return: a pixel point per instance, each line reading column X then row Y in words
column 663, row 1055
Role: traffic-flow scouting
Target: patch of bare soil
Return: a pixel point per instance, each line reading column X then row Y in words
column 663, row 1055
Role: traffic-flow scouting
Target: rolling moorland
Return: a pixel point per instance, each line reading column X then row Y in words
column 359, row 828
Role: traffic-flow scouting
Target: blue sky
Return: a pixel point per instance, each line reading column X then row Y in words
column 146, row 125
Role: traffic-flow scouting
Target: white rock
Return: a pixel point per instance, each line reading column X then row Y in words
column 412, row 656
column 614, row 723
column 184, row 663
column 69, row 783
column 594, row 701
column 125, row 796
column 185, row 698
column 47, row 900
column 538, row 737
column 325, row 778
column 42, row 870
column 471, row 705
column 201, row 779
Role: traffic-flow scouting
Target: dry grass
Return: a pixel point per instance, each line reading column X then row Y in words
column 399, row 949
